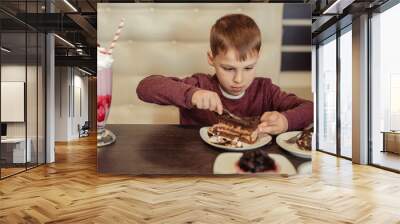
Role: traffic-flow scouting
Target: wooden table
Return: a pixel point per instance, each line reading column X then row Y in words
column 164, row 149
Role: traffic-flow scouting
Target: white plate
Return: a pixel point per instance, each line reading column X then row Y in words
column 261, row 141
column 226, row 162
column 292, row 148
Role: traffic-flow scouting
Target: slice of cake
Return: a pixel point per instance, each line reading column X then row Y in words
column 256, row 161
column 234, row 132
column 304, row 141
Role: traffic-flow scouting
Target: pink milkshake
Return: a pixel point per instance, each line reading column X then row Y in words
column 104, row 92
column 104, row 88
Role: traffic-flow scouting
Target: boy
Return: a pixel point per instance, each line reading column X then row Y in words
column 235, row 42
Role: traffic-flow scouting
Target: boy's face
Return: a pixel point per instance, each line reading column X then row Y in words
column 234, row 76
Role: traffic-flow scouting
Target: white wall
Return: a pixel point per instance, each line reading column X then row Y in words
column 80, row 100
column 61, row 103
column 68, row 83
column 33, row 127
column 17, row 73
column 82, row 82
column 297, row 82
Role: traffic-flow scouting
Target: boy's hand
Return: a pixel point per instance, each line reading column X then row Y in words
column 273, row 123
column 207, row 100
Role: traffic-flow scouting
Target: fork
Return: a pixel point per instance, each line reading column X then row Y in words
column 231, row 115
column 293, row 139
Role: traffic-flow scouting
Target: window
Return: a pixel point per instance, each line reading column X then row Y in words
column 346, row 92
column 385, row 84
column 327, row 96
column 22, row 75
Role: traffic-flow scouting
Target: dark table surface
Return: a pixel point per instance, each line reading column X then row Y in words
column 164, row 149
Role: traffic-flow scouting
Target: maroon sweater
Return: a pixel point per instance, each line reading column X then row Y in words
column 261, row 96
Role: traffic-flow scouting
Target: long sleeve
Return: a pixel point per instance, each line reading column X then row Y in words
column 299, row 112
column 163, row 90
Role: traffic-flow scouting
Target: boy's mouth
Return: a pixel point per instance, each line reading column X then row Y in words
column 236, row 89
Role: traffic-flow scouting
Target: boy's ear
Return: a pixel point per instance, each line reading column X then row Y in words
column 210, row 58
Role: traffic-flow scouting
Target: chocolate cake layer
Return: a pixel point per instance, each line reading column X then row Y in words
column 233, row 129
column 231, row 132
column 244, row 122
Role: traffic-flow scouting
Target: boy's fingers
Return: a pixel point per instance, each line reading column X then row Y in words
column 272, row 117
column 213, row 105
column 201, row 103
column 262, row 127
column 265, row 116
column 270, row 129
column 197, row 104
column 206, row 103
column 218, row 104
column 219, row 108
column 263, row 124
column 267, row 123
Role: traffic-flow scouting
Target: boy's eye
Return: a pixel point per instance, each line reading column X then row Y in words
column 249, row 68
column 228, row 69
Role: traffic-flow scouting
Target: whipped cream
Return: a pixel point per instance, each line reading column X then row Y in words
column 103, row 60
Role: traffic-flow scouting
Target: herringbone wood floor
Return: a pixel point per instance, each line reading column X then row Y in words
column 70, row 191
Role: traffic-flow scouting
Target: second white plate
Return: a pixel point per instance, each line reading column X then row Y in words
column 292, row 148
column 226, row 162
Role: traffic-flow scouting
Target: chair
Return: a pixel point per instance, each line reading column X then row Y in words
column 84, row 130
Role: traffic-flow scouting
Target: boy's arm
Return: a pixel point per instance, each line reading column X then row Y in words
column 298, row 112
column 168, row 90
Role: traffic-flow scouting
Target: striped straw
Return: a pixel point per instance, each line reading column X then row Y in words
column 116, row 36
column 101, row 49
column 104, row 51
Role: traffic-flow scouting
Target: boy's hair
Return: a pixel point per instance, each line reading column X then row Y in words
column 236, row 31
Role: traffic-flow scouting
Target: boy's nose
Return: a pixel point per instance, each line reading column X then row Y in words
column 238, row 77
